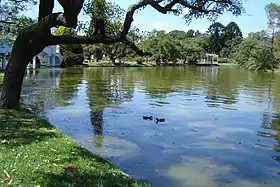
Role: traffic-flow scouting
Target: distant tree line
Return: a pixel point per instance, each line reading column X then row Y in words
column 258, row 51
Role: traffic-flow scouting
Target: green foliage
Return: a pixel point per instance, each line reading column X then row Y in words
column 260, row 59
column 71, row 59
column 113, row 16
column 232, row 31
column 111, row 13
column 174, row 46
column 74, row 48
column 216, row 40
column 230, row 47
column 94, row 50
column 210, row 9
column 140, row 60
column 277, row 48
column 191, row 33
column 11, row 19
column 224, row 39
column 273, row 13
column 226, row 61
column 72, row 53
column 254, row 53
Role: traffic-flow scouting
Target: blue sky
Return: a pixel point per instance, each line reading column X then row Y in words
column 148, row 19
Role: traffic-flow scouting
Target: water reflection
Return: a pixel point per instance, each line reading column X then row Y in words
column 222, row 124
column 198, row 172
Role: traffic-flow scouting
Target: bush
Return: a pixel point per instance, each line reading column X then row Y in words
column 226, row 60
column 261, row 59
column 139, row 60
column 71, row 59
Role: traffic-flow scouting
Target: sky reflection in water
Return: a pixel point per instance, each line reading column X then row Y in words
column 222, row 125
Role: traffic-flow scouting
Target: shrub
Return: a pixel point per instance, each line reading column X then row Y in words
column 139, row 60
column 261, row 59
column 226, row 60
column 71, row 59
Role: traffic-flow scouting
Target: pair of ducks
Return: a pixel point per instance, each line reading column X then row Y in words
column 151, row 118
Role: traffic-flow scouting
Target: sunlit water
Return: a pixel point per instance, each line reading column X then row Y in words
column 222, row 125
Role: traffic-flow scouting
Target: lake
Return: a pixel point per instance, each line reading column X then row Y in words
column 221, row 129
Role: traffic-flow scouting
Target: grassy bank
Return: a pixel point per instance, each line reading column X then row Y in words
column 228, row 64
column 33, row 153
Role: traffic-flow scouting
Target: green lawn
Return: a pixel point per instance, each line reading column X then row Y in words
column 33, row 153
column 227, row 64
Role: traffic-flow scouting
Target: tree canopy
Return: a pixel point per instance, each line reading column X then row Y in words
column 11, row 19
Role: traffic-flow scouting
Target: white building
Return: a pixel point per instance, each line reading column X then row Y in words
column 209, row 59
column 49, row 57
column 4, row 51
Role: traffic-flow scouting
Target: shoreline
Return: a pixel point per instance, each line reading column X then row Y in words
column 134, row 64
column 35, row 153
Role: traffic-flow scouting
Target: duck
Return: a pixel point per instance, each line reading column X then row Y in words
column 160, row 120
column 148, row 117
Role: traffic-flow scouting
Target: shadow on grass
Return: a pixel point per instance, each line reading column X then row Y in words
column 34, row 153
column 82, row 168
column 21, row 127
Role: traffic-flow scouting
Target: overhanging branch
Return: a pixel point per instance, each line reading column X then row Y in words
column 38, row 31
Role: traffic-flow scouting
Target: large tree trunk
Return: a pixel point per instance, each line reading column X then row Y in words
column 11, row 89
column 22, row 53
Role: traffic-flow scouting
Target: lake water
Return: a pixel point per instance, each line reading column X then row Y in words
column 221, row 129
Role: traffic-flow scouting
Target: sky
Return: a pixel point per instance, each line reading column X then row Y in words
column 253, row 20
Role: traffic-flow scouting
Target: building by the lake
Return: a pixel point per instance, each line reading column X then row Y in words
column 208, row 59
column 49, row 57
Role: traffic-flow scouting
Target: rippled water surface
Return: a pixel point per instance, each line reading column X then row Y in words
column 222, row 125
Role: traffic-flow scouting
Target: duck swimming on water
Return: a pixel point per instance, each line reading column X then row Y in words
column 160, row 120
column 148, row 117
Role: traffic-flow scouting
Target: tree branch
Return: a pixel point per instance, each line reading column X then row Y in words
column 155, row 4
column 135, row 48
column 38, row 31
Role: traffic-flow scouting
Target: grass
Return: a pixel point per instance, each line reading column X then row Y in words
column 33, row 153
column 227, row 64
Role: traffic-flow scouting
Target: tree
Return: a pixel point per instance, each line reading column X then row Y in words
column 253, row 53
column 33, row 39
column 163, row 47
column 273, row 14
column 277, row 47
column 174, row 46
column 72, row 53
column 232, row 37
column 216, row 40
column 191, row 33
column 74, row 48
column 11, row 21
column 232, row 31
column 180, row 35
column 112, row 14
column 94, row 50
